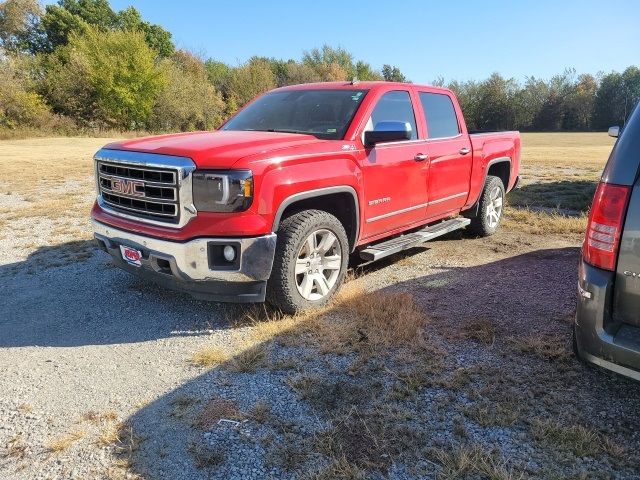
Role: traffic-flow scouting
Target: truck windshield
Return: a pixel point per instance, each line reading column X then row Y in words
column 323, row 113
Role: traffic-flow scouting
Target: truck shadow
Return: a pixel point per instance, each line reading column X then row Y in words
column 540, row 304
column 71, row 295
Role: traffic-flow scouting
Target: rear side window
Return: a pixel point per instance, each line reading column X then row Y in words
column 394, row 107
column 440, row 115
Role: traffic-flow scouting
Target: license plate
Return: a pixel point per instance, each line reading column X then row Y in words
column 131, row 255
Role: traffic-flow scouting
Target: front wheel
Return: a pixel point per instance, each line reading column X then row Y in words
column 310, row 262
column 490, row 208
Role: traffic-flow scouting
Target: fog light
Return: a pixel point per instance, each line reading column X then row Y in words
column 229, row 253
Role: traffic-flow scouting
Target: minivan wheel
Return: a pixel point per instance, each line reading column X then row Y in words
column 310, row 263
column 490, row 208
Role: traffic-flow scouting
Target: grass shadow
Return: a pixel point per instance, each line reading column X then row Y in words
column 567, row 196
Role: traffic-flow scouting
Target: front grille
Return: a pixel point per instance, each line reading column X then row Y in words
column 146, row 192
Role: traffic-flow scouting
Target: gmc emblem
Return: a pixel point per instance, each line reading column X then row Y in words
column 127, row 187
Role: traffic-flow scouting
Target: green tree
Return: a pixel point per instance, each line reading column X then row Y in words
column 330, row 64
column 494, row 109
column 301, row 73
column 579, row 103
column 20, row 106
column 528, row 101
column 279, row 69
column 218, row 74
column 156, row 37
column 551, row 113
column 249, row 80
column 467, row 94
column 364, row 71
column 18, row 20
column 327, row 55
column 73, row 16
column 393, row 74
column 631, row 80
column 610, row 102
column 105, row 78
column 187, row 100
column 55, row 28
column 95, row 12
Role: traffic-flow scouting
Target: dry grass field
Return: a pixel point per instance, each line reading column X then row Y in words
column 559, row 174
column 46, row 192
column 451, row 361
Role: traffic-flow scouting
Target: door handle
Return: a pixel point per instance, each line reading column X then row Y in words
column 421, row 157
column 464, row 151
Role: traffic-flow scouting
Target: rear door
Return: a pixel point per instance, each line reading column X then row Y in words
column 626, row 296
column 394, row 172
column 449, row 153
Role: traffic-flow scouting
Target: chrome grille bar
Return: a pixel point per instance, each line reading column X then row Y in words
column 146, row 174
column 147, row 187
column 152, row 190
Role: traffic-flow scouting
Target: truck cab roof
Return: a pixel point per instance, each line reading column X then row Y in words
column 364, row 85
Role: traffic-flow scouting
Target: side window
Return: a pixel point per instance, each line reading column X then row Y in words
column 439, row 114
column 394, row 107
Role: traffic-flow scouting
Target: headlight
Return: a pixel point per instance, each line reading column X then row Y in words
column 222, row 191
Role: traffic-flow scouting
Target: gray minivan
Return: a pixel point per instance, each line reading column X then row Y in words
column 607, row 325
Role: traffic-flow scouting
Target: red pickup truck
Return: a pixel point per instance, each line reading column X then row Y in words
column 272, row 204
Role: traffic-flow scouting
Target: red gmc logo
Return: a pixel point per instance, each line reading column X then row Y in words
column 127, row 187
column 132, row 254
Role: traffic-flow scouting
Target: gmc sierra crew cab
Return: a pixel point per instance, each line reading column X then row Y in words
column 272, row 204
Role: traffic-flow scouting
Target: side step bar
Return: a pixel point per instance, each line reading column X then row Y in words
column 395, row 245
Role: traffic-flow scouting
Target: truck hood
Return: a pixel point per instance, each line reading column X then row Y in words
column 217, row 149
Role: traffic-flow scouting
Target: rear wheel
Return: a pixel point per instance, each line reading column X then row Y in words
column 490, row 208
column 310, row 263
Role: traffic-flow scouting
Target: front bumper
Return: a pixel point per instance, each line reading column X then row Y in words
column 192, row 266
column 600, row 340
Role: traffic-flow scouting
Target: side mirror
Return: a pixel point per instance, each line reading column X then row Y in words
column 614, row 131
column 387, row 132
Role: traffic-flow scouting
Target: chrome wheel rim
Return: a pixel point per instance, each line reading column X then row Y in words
column 494, row 208
column 318, row 265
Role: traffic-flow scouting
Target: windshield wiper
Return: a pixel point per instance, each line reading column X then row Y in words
column 278, row 130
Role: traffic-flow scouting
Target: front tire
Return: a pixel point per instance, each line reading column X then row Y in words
column 490, row 208
column 310, row 263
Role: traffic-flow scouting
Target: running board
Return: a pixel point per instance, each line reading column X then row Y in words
column 395, row 245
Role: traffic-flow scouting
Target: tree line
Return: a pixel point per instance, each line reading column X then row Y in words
column 566, row 102
column 79, row 64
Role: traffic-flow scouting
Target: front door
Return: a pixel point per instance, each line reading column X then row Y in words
column 394, row 172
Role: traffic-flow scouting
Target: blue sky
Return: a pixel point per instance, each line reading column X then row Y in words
column 461, row 40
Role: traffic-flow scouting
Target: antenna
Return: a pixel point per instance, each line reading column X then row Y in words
column 354, row 81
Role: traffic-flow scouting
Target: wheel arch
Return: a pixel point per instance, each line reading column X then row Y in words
column 499, row 167
column 329, row 199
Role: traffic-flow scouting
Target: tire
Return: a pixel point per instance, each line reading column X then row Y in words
column 302, row 237
column 490, row 208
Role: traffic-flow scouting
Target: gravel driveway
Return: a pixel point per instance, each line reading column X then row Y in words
column 97, row 380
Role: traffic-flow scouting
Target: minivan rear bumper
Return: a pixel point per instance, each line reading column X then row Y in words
column 599, row 340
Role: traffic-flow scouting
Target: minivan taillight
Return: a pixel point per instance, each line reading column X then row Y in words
column 602, row 239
